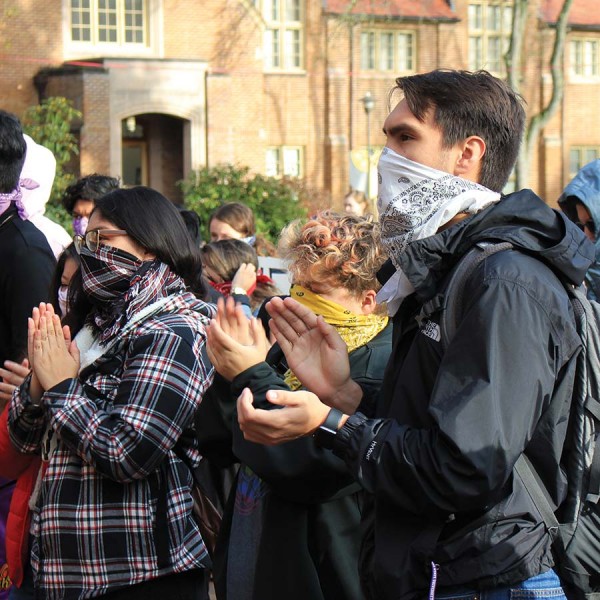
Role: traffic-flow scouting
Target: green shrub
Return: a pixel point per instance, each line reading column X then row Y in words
column 49, row 124
column 275, row 202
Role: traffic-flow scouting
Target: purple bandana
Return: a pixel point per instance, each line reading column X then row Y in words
column 17, row 197
column 80, row 225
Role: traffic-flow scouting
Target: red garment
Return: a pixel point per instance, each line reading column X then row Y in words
column 24, row 468
column 225, row 286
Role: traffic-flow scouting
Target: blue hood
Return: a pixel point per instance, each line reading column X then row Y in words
column 585, row 188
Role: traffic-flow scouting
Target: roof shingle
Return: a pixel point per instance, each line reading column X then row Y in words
column 410, row 9
column 583, row 12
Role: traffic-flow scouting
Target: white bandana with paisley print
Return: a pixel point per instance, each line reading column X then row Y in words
column 414, row 201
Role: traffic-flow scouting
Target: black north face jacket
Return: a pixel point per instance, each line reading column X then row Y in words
column 448, row 426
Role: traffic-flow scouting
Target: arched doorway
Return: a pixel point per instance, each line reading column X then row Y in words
column 153, row 152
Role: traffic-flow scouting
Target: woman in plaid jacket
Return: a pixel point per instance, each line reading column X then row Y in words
column 111, row 412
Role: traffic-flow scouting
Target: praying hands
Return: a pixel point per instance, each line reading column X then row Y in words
column 53, row 356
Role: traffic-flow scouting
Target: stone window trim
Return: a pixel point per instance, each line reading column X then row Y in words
column 284, row 161
column 388, row 50
column 489, row 24
column 584, row 59
column 283, row 35
column 118, row 28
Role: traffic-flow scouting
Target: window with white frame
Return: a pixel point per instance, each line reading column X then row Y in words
column 115, row 22
column 387, row 51
column 579, row 156
column 284, row 161
column 490, row 24
column 284, row 34
column 585, row 57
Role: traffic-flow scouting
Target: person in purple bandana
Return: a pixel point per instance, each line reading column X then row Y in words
column 80, row 197
column 26, row 269
column 27, row 262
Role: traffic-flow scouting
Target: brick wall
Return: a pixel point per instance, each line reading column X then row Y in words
column 28, row 42
column 249, row 109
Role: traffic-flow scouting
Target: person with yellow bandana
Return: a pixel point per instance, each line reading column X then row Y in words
column 292, row 528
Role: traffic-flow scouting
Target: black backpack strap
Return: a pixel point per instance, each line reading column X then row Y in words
column 536, row 492
column 454, row 294
column 592, row 406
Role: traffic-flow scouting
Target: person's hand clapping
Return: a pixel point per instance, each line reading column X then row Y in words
column 13, row 374
column 301, row 414
column 315, row 352
column 235, row 343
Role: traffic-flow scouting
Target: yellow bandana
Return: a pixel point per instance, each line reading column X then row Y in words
column 355, row 330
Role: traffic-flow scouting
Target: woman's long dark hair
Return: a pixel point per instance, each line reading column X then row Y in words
column 154, row 223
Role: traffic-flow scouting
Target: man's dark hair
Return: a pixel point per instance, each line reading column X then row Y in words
column 12, row 151
column 90, row 187
column 468, row 103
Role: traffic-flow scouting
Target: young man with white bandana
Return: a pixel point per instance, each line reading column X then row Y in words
column 436, row 449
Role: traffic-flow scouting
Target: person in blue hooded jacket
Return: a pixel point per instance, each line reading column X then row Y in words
column 580, row 201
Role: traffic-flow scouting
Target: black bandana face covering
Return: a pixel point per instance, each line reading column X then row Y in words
column 107, row 273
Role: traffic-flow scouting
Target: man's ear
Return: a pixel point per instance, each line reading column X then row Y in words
column 468, row 163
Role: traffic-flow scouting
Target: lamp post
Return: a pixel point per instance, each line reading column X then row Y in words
column 368, row 103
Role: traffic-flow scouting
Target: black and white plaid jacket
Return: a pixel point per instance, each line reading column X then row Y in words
column 114, row 506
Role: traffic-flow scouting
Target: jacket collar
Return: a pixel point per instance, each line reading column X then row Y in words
column 520, row 218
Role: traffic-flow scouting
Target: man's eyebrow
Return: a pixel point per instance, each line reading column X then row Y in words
column 400, row 128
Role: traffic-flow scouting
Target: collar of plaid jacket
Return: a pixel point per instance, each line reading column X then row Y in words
column 91, row 349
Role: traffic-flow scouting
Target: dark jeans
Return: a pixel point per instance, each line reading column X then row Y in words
column 541, row 587
column 25, row 592
column 191, row 585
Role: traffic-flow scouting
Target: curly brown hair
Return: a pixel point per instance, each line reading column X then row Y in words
column 343, row 250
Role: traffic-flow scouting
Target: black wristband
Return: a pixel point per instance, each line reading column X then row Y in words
column 325, row 434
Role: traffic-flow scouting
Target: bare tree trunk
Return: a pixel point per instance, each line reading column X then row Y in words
column 514, row 59
column 514, row 54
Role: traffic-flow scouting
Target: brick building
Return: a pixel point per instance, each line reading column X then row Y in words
column 166, row 86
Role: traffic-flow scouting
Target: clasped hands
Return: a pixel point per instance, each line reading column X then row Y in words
column 53, row 356
column 314, row 351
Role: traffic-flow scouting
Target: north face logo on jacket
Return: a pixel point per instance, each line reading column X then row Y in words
column 430, row 329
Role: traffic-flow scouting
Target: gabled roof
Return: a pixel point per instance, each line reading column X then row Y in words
column 583, row 13
column 406, row 9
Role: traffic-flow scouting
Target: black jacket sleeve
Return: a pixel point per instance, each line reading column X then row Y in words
column 213, row 423
column 300, row 470
column 494, row 381
column 29, row 285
